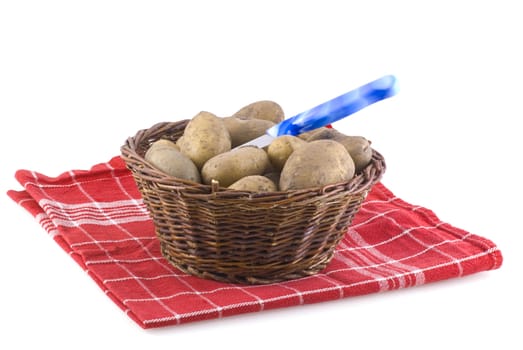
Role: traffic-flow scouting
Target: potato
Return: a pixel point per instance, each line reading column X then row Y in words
column 281, row 148
column 229, row 167
column 266, row 110
column 357, row 146
column 163, row 143
column 243, row 130
column 204, row 137
column 254, row 183
column 172, row 162
column 317, row 163
column 309, row 135
column 322, row 134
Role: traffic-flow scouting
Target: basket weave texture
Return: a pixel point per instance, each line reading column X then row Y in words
column 242, row 237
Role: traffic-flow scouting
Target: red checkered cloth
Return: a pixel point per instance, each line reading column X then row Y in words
column 98, row 217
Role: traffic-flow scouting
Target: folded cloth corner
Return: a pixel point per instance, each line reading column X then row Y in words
column 99, row 218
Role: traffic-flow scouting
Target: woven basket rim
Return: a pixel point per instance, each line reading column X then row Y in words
column 130, row 149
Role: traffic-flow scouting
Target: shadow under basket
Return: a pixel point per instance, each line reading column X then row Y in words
column 243, row 237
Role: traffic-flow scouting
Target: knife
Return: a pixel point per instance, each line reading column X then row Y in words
column 330, row 111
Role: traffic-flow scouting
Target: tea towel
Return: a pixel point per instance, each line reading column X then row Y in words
column 98, row 217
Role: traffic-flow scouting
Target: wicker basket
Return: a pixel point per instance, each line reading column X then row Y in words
column 242, row 237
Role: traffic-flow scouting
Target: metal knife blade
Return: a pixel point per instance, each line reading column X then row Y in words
column 330, row 111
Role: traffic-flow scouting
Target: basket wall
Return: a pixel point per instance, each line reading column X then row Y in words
column 243, row 237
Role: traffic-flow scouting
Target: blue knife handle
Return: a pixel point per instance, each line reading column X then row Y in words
column 337, row 108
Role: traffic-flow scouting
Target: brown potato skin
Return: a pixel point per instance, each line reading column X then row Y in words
column 244, row 130
column 229, row 167
column 264, row 109
column 318, row 163
column 254, row 183
column 204, row 137
column 359, row 149
column 172, row 162
column 163, row 143
column 281, row 148
column 358, row 146
column 311, row 135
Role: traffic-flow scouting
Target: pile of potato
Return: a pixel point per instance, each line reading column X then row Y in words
column 206, row 152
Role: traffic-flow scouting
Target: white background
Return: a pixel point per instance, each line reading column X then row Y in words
column 78, row 78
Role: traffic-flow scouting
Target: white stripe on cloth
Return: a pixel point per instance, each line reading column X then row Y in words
column 389, row 240
column 352, row 265
column 420, row 242
column 113, row 241
column 37, row 183
column 419, row 277
column 421, row 252
column 47, row 224
column 94, row 213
